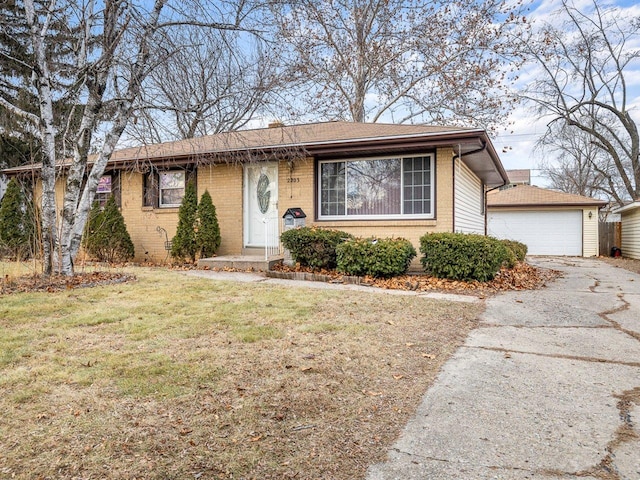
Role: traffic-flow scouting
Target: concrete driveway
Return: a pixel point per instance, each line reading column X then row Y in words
column 548, row 387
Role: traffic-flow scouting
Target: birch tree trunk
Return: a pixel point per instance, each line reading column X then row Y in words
column 47, row 135
column 76, row 211
column 90, row 59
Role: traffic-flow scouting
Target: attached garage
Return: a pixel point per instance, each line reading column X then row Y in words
column 548, row 222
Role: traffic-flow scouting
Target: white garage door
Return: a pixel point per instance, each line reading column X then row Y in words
column 544, row 232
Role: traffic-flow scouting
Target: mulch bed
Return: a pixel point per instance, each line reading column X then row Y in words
column 57, row 283
column 521, row 277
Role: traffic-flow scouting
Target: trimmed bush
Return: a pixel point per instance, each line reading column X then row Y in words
column 518, row 248
column 106, row 237
column 459, row 256
column 511, row 259
column 184, row 245
column 384, row 258
column 208, row 234
column 314, row 247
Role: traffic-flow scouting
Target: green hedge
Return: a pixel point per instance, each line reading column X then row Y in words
column 385, row 258
column 314, row 247
column 459, row 256
column 519, row 249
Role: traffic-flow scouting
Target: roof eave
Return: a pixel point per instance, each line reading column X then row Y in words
column 626, row 208
column 599, row 204
column 482, row 158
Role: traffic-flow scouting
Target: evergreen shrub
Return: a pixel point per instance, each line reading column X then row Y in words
column 208, row 233
column 314, row 247
column 106, row 237
column 459, row 256
column 387, row 257
column 17, row 224
column 184, row 245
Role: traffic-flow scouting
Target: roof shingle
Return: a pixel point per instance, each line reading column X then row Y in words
column 529, row 195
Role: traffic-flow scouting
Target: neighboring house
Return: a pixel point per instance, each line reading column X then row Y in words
column 518, row 177
column 547, row 221
column 630, row 219
column 367, row 179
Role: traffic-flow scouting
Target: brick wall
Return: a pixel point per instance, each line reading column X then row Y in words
column 224, row 183
column 295, row 189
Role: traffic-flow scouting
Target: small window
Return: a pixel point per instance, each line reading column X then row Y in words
column 108, row 185
column 171, row 186
column 165, row 189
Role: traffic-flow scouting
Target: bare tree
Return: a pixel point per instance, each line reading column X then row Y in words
column 583, row 88
column 210, row 82
column 106, row 51
column 406, row 60
column 578, row 166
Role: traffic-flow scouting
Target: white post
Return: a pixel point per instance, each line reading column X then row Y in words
column 266, row 239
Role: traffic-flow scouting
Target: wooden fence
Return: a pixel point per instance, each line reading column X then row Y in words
column 610, row 236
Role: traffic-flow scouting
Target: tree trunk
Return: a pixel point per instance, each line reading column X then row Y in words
column 47, row 133
column 83, row 208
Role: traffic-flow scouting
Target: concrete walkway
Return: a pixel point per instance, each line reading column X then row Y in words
column 257, row 277
column 547, row 388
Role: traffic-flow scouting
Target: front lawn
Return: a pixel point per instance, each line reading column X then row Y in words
column 172, row 376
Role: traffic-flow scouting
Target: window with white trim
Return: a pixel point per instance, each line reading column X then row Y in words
column 171, row 188
column 400, row 187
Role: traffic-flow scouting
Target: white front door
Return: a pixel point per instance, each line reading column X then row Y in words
column 261, row 220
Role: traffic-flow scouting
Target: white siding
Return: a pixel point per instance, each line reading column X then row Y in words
column 468, row 202
column 590, row 240
column 631, row 233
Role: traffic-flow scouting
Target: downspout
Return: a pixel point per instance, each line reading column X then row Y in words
column 457, row 156
column 486, row 209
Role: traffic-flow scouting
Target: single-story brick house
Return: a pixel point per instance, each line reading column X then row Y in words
column 380, row 180
column 630, row 220
column 547, row 221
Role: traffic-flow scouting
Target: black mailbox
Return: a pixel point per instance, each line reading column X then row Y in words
column 294, row 217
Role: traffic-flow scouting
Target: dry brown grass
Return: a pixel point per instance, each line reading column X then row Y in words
column 621, row 262
column 179, row 377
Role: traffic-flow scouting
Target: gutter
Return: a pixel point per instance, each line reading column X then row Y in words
column 494, row 157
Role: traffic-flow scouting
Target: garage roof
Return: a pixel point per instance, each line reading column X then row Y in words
column 532, row 196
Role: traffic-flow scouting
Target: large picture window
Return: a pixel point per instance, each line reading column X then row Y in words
column 377, row 188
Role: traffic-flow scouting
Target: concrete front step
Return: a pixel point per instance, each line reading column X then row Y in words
column 240, row 262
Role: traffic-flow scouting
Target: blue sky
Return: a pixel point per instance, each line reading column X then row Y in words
column 520, row 138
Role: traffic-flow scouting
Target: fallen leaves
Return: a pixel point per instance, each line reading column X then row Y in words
column 57, row 283
column 521, row 277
